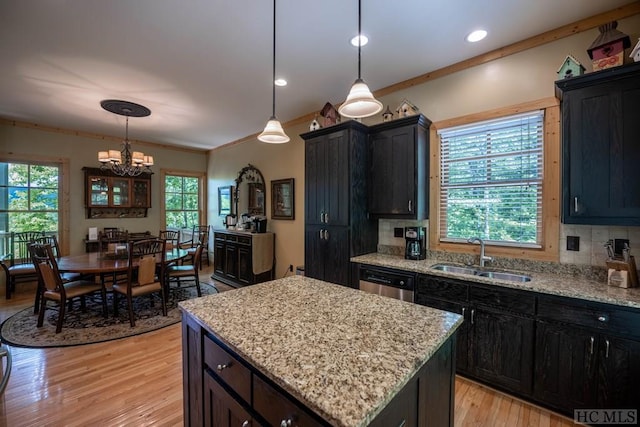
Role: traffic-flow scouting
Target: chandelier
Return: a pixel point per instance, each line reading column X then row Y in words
column 125, row 162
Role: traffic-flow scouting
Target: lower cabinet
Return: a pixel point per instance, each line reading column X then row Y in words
column 494, row 344
column 563, row 353
column 233, row 258
column 587, row 355
column 221, row 409
column 327, row 249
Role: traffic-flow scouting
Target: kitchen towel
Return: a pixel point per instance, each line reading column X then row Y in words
column 262, row 247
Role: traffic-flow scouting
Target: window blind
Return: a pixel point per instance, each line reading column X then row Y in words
column 491, row 180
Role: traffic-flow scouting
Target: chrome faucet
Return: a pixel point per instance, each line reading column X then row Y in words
column 483, row 257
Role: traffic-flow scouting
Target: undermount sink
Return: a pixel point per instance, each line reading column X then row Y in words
column 454, row 269
column 504, row 276
column 499, row 275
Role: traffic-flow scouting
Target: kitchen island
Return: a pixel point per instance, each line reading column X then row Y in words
column 299, row 351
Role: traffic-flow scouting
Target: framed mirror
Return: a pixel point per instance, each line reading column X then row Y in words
column 225, row 195
column 249, row 194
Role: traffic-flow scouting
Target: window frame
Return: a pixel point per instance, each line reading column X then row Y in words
column 64, row 185
column 550, row 183
column 202, row 194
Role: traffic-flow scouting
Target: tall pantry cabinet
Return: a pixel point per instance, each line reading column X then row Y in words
column 337, row 226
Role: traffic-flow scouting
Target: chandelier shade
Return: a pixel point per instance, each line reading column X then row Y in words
column 125, row 162
column 360, row 102
column 273, row 132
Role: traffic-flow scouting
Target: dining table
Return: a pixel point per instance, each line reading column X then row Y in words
column 103, row 264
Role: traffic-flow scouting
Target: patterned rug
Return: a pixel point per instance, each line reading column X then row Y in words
column 90, row 326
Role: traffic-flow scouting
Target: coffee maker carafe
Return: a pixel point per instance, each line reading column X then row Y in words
column 416, row 243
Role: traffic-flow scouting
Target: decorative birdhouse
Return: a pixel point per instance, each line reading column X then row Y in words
column 387, row 115
column 314, row 125
column 406, row 109
column 570, row 68
column 607, row 50
column 635, row 53
column 330, row 114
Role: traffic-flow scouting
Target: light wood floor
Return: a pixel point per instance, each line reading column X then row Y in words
column 137, row 381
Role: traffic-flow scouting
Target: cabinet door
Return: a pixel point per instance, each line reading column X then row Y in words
column 618, row 373
column 98, row 193
column 313, row 252
column 219, row 252
column 220, row 409
column 245, row 265
column 565, row 366
column 502, row 349
column 337, row 186
column 231, row 260
column 120, row 192
column 462, row 339
column 392, row 172
column 315, row 171
column 336, row 256
column 601, row 154
column 141, row 193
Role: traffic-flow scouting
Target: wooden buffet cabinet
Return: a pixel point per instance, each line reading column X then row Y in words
column 108, row 195
column 242, row 258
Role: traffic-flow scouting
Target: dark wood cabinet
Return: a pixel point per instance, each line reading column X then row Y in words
column 586, row 355
column 337, row 226
column 233, row 253
column 221, row 409
column 601, row 154
column 399, row 168
column 495, row 342
column 110, row 196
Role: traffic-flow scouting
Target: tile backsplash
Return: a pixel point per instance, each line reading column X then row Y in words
column 592, row 240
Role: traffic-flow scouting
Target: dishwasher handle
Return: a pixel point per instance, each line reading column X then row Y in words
column 370, row 277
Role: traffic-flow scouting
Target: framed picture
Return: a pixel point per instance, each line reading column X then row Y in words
column 282, row 203
column 225, row 195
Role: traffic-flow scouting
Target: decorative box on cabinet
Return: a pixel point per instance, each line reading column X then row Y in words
column 337, row 226
column 399, row 168
column 111, row 196
column 243, row 258
column 601, row 154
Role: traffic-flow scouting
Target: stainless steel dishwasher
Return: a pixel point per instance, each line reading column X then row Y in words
column 393, row 284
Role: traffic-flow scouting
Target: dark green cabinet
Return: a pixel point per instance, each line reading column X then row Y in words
column 495, row 342
column 399, row 168
column 337, row 226
column 586, row 355
column 600, row 150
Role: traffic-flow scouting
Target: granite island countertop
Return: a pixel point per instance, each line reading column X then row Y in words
column 546, row 283
column 342, row 352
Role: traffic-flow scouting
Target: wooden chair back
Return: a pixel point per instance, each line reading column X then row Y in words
column 52, row 240
column 140, row 253
column 19, row 246
column 46, row 266
column 172, row 237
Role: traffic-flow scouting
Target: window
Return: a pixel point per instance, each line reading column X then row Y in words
column 182, row 201
column 491, row 176
column 29, row 197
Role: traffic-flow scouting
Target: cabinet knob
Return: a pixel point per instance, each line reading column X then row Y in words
column 602, row 318
column 591, row 347
column 286, row 423
column 575, row 204
column 246, row 423
column 410, row 206
column 222, row 367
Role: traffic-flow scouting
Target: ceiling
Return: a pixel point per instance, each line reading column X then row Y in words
column 204, row 67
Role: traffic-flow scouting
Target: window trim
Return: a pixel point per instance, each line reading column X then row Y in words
column 64, row 185
column 550, row 184
column 202, row 196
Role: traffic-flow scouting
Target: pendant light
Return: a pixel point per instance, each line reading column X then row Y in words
column 360, row 101
column 273, row 132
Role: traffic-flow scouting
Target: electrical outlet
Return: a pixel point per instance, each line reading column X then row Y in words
column 398, row 232
column 573, row 243
column 291, row 267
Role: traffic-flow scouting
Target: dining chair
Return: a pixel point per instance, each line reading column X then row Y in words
column 199, row 236
column 16, row 263
column 145, row 275
column 109, row 238
column 54, row 288
column 172, row 237
column 174, row 273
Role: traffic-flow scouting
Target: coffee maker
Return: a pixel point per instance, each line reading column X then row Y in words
column 416, row 243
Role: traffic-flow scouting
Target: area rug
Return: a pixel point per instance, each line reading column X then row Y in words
column 90, row 326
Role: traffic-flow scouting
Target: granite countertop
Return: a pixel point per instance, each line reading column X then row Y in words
column 342, row 352
column 547, row 283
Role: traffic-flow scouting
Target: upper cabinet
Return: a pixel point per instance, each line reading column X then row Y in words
column 399, row 169
column 600, row 149
column 110, row 196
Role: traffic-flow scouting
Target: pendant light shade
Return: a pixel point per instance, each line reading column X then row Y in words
column 360, row 101
column 273, row 132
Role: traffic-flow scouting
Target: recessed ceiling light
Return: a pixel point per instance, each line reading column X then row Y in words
column 476, row 36
column 280, row 82
column 362, row 39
